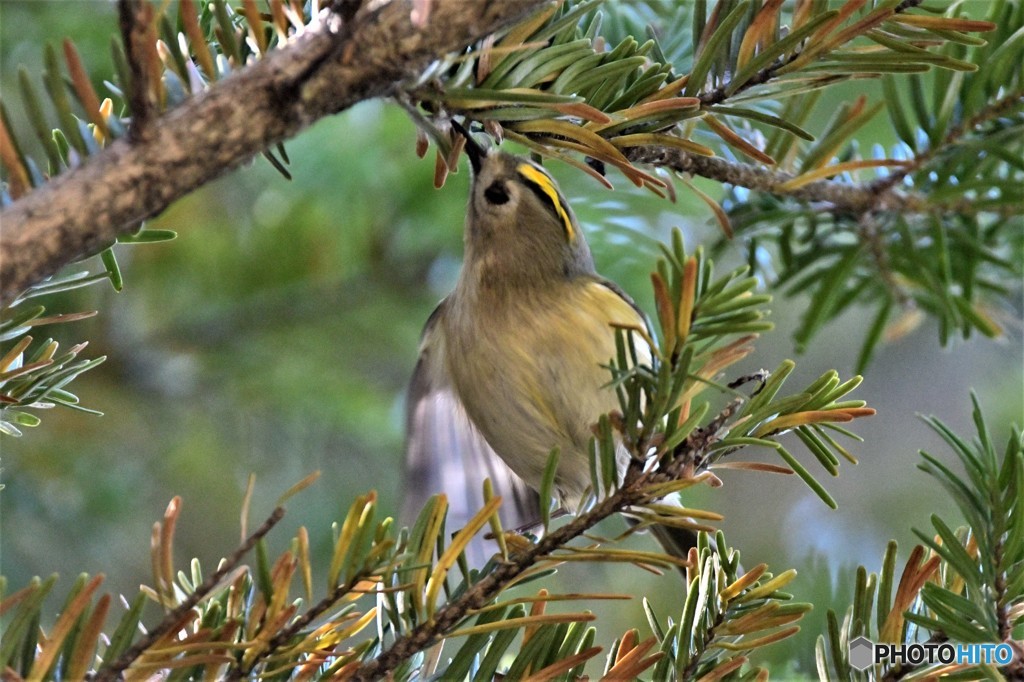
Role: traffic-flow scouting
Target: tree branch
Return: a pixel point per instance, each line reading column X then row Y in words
column 843, row 196
column 634, row 490
column 325, row 69
column 135, row 19
column 992, row 110
column 481, row 593
column 112, row 670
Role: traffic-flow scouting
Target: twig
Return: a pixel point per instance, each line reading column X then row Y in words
column 987, row 113
column 721, row 93
column 112, row 671
column 760, row 376
column 314, row 612
column 135, row 18
column 871, row 236
column 867, row 228
column 631, row 492
column 843, row 197
column 846, row 197
column 1015, row 669
column 694, row 450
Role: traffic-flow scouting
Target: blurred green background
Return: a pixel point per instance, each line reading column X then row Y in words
column 275, row 336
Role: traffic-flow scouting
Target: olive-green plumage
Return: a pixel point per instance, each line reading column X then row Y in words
column 511, row 362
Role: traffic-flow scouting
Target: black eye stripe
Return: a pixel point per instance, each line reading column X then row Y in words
column 541, row 193
column 541, row 184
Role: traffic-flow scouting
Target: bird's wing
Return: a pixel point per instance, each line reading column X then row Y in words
column 618, row 291
column 444, row 452
column 675, row 541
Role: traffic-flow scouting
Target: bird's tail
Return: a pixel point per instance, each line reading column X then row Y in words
column 675, row 541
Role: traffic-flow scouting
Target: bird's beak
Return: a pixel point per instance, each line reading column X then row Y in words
column 474, row 151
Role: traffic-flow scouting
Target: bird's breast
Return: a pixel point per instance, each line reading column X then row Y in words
column 529, row 371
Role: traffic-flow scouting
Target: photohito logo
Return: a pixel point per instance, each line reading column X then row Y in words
column 864, row 653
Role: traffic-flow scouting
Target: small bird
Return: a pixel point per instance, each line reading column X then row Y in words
column 513, row 363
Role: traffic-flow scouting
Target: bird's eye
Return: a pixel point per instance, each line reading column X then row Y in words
column 496, row 193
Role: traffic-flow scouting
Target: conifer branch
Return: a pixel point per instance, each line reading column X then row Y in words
column 842, row 196
column 114, row 670
column 990, row 111
column 631, row 492
column 323, row 70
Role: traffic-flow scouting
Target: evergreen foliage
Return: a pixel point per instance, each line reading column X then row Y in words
column 930, row 226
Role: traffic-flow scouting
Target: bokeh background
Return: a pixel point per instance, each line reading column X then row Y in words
column 276, row 335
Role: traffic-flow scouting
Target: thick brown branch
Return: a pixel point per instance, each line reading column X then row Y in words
column 324, row 70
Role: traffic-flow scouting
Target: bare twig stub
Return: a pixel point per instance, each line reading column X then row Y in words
column 325, row 70
column 136, row 20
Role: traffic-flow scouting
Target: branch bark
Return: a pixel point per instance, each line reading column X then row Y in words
column 324, row 70
column 843, row 197
column 484, row 591
column 136, row 19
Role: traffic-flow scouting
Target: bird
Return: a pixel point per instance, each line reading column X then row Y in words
column 513, row 362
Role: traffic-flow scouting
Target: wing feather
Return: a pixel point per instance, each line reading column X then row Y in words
column 444, row 452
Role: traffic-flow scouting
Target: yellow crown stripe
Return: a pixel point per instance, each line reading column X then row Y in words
column 547, row 185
